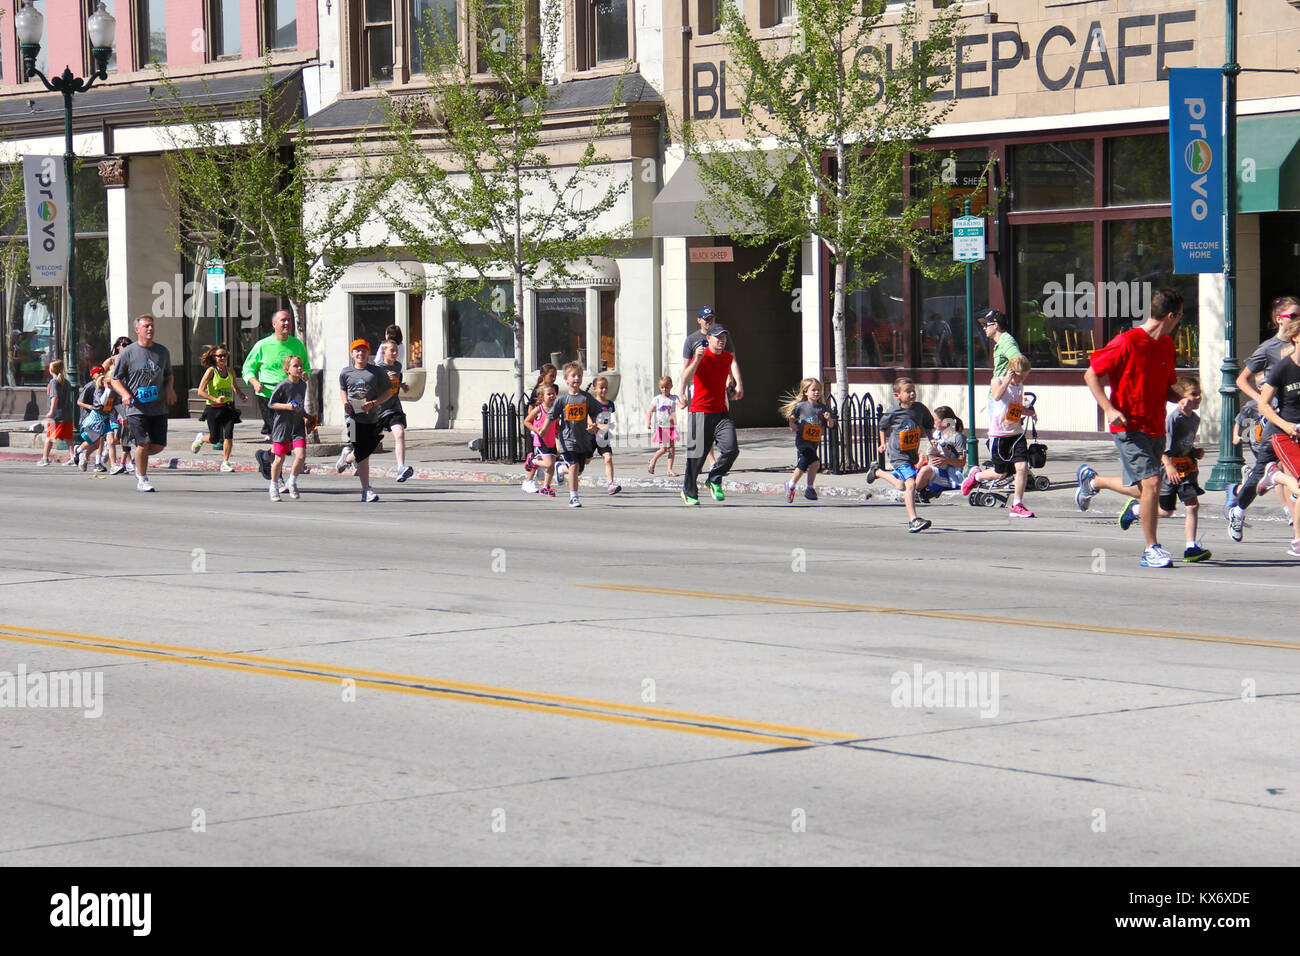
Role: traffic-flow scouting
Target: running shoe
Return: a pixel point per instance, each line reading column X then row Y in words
column 1156, row 557
column 615, row 489
column 43, row 463
column 1269, row 480
column 1294, row 550
column 227, row 466
column 369, row 495
column 561, row 469
column 810, row 493
column 970, row 481
column 715, row 489
column 142, row 484
column 789, row 491
column 342, row 463
column 548, row 492
column 574, row 502
column 85, row 462
column 75, row 460
column 917, row 524
column 1086, row 491
column 99, row 468
column 406, row 471
column 1236, row 523
column 274, row 493
column 292, row 489
column 1196, row 553
column 529, row 466
column 1230, row 500
column 1128, row 515
column 693, row 502
column 263, row 463
column 871, row 473
column 117, row 469
column 1019, row 511
column 197, row 443
column 529, row 487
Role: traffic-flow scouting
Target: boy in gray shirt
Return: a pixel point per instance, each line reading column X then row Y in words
column 901, row 430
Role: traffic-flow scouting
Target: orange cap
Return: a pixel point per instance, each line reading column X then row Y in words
column 359, row 344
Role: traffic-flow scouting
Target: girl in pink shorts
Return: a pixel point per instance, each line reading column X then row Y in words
column 662, row 421
column 288, row 427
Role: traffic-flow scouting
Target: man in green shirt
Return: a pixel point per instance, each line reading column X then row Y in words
column 264, row 367
column 996, row 330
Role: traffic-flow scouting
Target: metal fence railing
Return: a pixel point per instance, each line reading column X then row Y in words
column 852, row 445
column 504, row 435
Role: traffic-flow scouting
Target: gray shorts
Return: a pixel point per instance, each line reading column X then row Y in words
column 1139, row 455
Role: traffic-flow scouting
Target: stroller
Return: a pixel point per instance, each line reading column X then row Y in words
column 996, row 493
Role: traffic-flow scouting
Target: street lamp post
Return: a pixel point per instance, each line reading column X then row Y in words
column 30, row 25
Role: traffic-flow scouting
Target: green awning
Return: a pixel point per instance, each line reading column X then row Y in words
column 1267, row 153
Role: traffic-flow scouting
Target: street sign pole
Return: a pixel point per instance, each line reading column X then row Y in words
column 968, row 247
column 216, row 272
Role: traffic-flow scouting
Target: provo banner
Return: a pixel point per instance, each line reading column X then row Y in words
column 1196, row 168
column 47, row 218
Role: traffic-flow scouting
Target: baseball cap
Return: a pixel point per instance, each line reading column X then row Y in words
column 705, row 313
column 359, row 344
column 96, row 370
column 992, row 315
column 715, row 329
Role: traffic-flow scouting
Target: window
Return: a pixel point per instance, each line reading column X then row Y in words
column 1054, row 299
column 772, row 12
column 377, row 41
column 474, row 329
column 1053, row 175
column 372, row 313
column 1139, row 170
column 280, row 20
column 432, row 22
column 710, row 15
column 874, row 325
column 561, row 330
column 223, row 28
column 414, row 330
column 151, row 32
column 601, row 32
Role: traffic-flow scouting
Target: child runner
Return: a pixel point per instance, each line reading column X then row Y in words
column 288, row 427
column 576, row 412
column 947, row 452
column 662, row 421
column 363, row 388
column 901, row 429
column 1007, row 440
column 94, row 426
column 807, row 415
column 1283, row 383
column 1140, row 366
column 544, row 452
column 392, row 417
column 60, row 415
column 1179, row 479
column 218, row 389
column 1248, row 429
column 86, row 402
column 604, row 435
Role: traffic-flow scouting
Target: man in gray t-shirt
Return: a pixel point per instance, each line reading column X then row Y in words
column 142, row 377
column 363, row 389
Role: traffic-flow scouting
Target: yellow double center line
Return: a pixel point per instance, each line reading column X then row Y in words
column 709, row 725
column 962, row 616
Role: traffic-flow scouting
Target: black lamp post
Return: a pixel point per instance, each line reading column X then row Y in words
column 102, row 26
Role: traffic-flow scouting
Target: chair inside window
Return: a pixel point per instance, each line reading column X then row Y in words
column 890, row 344
column 1073, row 346
column 1186, row 346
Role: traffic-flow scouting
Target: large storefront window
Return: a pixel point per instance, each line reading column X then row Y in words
column 1052, row 175
column 1139, row 260
column 1054, row 277
column 875, row 328
column 372, row 313
column 561, row 327
column 473, row 327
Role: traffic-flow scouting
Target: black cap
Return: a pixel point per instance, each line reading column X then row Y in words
column 715, row 329
column 993, row 315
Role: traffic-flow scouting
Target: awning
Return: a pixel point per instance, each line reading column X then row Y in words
column 674, row 210
column 1268, row 163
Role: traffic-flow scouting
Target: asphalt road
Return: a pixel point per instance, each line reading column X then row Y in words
column 461, row 674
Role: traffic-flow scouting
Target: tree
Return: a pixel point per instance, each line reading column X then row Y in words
column 247, row 182
column 476, row 195
column 830, row 117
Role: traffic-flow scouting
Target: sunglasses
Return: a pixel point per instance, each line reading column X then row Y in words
column 222, row 355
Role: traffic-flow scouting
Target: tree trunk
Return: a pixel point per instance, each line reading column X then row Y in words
column 841, row 359
column 519, row 332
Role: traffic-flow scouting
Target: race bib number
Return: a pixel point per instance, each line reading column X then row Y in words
column 575, row 413
column 1184, row 466
column 812, row 433
column 1259, row 434
column 1015, row 413
column 108, row 405
column 910, row 440
column 146, row 394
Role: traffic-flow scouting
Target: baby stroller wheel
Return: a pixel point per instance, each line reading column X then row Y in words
column 976, row 499
column 1042, row 483
column 992, row 501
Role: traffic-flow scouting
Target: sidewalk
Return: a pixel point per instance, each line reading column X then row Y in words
column 766, row 459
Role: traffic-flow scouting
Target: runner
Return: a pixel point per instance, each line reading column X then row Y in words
column 901, row 428
column 95, row 398
column 142, row 378
column 604, row 435
column 807, row 415
column 1283, row 383
column 576, row 413
column 363, row 388
column 996, row 329
column 218, row 389
column 709, row 420
column 1140, row 366
column 1237, row 498
column 392, row 418
column 288, row 428
column 60, row 415
column 264, row 366
column 1007, row 441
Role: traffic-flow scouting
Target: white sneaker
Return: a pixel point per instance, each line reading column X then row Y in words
column 574, row 502
column 1269, row 480
column 1155, row 557
column 369, row 495
column 274, row 492
column 142, row 484
column 292, row 489
column 227, row 466
column 43, row 463
column 342, row 462
column 529, row 486
column 197, row 443
column 117, row 469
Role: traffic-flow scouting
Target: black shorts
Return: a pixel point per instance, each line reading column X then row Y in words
column 1007, row 450
column 366, row 438
column 147, row 429
column 221, row 421
column 1186, row 491
column 542, row 450
column 807, row 455
column 575, row 459
column 387, row 421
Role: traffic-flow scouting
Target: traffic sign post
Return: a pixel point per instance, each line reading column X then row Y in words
column 968, row 247
column 216, row 276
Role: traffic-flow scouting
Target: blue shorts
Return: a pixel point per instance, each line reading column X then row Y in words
column 904, row 471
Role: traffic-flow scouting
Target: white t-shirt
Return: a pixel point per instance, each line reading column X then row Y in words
column 1006, row 414
column 665, row 411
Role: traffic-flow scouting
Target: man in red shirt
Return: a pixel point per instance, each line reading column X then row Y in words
column 709, row 420
column 1140, row 366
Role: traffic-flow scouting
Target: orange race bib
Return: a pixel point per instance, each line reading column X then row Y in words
column 910, row 440
column 1014, row 413
column 1184, row 466
column 1259, row 434
column 812, row 433
column 575, row 413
